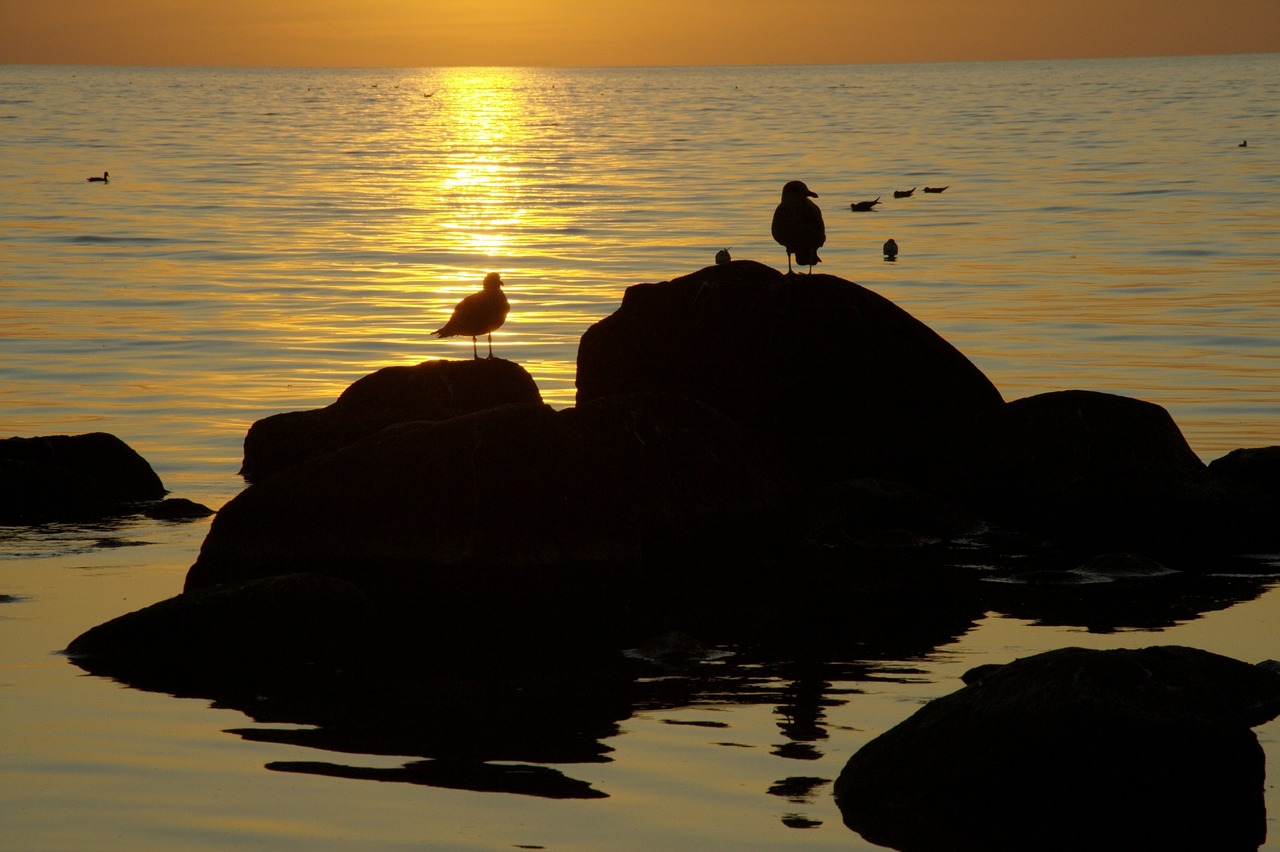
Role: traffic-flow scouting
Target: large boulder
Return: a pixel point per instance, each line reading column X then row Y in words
column 64, row 477
column 1074, row 749
column 512, row 508
column 831, row 377
column 434, row 390
column 1108, row 471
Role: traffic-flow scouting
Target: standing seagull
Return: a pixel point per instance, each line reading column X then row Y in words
column 477, row 314
column 797, row 225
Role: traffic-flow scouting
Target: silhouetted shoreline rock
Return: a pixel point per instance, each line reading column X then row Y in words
column 1107, row 471
column 76, row 478
column 832, row 377
column 741, row 439
column 1074, row 749
column 433, row 390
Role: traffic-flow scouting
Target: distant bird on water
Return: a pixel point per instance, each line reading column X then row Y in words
column 103, row 179
column 904, row 193
column 864, row 206
column 891, row 249
column 477, row 314
column 1244, row 144
column 798, row 226
column 935, row 188
column 722, row 257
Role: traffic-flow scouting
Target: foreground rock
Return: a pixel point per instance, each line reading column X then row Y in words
column 511, row 509
column 273, row 630
column 435, row 390
column 830, row 376
column 1074, row 749
column 70, row 477
column 1105, row 471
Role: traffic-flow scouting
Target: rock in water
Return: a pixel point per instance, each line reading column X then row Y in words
column 828, row 375
column 434, row 390
column 1074, row 749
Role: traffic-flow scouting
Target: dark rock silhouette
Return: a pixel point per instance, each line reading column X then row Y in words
column 434, row 390
column 798, row 226
column 831, row 377
column 69, row 477
column 1074, row 749
column 1258, row 467
column 477, row 314
column 273, row 630
column 515, row 510
column 1108, row 470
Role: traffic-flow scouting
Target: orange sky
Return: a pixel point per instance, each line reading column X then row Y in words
column 410, row 33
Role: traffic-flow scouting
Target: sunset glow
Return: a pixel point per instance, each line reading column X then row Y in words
column 407, row 33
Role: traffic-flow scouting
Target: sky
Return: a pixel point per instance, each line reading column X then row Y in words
column 417, row 33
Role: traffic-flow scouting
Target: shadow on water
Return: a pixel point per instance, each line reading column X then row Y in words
column 800, row 638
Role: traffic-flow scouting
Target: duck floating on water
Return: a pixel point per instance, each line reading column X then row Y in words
column 935, row 188
column 904, row 193
column 864, row 206
column 104, row 179
column 477, row 314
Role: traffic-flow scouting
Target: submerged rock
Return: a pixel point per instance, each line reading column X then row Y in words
column 1074, row 749
column 71, row 477
column 831, row 377
column 434, row 390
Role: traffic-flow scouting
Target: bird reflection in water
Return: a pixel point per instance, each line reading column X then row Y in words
column 477, row 314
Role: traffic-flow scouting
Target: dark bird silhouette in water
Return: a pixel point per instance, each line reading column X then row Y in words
column 103, row 179
column 864, row 206
column 798, row 226
column 891, row 249
column 477, row 314
column 1244, row 144
column 904, row 193
column 935, row 188
column 722, row 257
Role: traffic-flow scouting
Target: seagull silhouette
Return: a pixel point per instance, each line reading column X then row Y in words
column 891, row 249
column 723, row 257
column 864, row 206
column 103, row 179
column 798, row 226
column 904, row 193
column 477, row 314
column 935, row 188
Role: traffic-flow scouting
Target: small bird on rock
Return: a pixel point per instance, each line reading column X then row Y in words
column 798, row 226
column 890, row 249
column 722, row 257
column 477, row 314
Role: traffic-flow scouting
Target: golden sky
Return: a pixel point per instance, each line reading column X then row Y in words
column 412, row 33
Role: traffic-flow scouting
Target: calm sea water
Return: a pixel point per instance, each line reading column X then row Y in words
column 269, row 236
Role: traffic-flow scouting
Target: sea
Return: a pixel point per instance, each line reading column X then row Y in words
column 268, row 236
